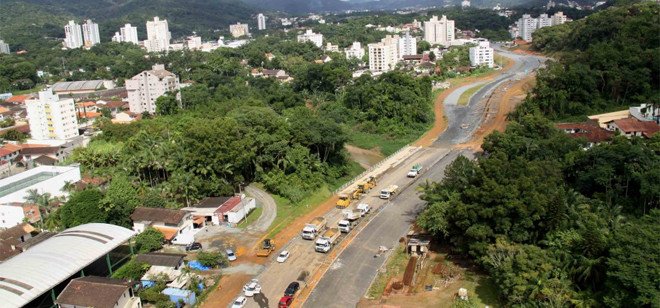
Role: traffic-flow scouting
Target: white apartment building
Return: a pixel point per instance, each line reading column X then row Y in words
column 407, row 45
column 73, row 35
column 239, row 30
column 332, row 48
column 194, row 42
column 482, row 54
column 526, row 26
column 558, row 18
column 144, row 88
column 127, row 33
column 355, row 51
column 50, row 117
column 90, row 32
column 158, row 35
column 393, row 42
column 4, row 47
column 381, row 57
column 261, row 22
column 439, row 31
column 544, row 21
column 310, row 36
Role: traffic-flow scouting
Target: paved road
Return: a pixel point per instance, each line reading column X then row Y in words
column 350, row 275
column 269, row 209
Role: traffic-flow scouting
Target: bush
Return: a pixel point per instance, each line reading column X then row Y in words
column 132, row 270
column 149, row 240
column 212, row 258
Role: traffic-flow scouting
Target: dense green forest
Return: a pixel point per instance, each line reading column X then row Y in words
column 552, row 223
column 606, row 61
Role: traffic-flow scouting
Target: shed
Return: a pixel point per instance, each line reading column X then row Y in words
column 175, row 295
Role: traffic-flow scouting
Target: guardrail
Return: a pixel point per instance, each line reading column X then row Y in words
column 372, row 168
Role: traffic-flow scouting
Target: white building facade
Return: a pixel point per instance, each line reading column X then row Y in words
column 544, row 21
column 4, row 47
column 482, row 54
column 355, row 51
column 381, row 57
column 127, row 33
column 144, row 88
column 439, row 31
column 310, row 36
column 526, row 26
column 158, row 35
column 407, row 45
column 15, row 188
column 50, row 117
column 239, row 30
column 73, row 35
column 261, row 22
column 558, row 18
column 91, row 33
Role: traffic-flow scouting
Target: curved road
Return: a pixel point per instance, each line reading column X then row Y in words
column 269, row 209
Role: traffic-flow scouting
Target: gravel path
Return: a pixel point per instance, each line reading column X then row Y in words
column 269, row 209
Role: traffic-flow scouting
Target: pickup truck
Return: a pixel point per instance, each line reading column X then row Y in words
column 313, row 228
column 351, row 215
column 364, row 209
column 415, row 171
column 388, row 192
column 327, row 240
column 345, row 226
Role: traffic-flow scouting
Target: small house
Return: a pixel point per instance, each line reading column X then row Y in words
column 176, row 225
column 99, row 292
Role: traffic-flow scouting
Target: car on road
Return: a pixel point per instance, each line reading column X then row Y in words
column 285, row 302
column 292, row 289
column 283, row 256
column 231, row 256
column 193, row 246
column 239, row 302
column 252, row 288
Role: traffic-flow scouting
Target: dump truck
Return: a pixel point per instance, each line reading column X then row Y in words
column 367, row 185
column 267, row 248
column 325, row 242
column 345, row 225
column 388, row 192
column 351, row 215
column 313, row 228
column 364, row 209
column 415, row 171
column 343, row 201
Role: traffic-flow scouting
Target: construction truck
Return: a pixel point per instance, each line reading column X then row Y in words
column 343, row 201
column 267, row 248
column 388, row 192
column 415, row 171
column 313, row 228
column 364, row 209
column 327, row 240
column 367, row 185
column 351, row 214
column 345, row 225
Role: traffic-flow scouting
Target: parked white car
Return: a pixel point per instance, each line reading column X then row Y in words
column 283, row 256
column 239, row 302
column 252, row 288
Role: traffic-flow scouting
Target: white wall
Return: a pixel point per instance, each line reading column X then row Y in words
column 10, row 215
column 52, row 185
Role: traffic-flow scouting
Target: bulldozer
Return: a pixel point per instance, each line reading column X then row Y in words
column 364, row 187
column 343, row 201
column 267, row 248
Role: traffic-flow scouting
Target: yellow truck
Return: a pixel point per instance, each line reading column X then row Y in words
column 267, row 248
column 327, row 240
column 343, row 201
column 367, row 185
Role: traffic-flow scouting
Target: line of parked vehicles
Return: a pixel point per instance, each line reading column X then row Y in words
column 326, row 237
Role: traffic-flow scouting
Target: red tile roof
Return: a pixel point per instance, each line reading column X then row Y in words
column 85, row 104
column 648, row 128
column 87, row 115
column 229, row 205
column 18, row 99
column 590, row 131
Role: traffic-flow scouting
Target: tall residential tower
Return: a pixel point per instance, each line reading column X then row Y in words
column 50, row 117
column 158, row 35
column 90, row 32
column 439, row 31
column 261, row 22
column 73, row 35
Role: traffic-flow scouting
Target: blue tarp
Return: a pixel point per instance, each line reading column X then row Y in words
column 175, row 295
column 147, row 283
column 196, row 265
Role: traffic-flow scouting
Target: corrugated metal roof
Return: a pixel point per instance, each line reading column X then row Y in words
column 77, row 85
column 44, row 266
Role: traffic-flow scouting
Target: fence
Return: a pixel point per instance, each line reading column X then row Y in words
column 372, row 168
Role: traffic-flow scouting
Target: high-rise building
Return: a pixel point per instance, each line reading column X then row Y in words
column 261, row 22
column 310, row 36
column 558, row 18
column 355, row 51
column 117, row 38
column 73, row 35
column 129, row 34
column 50, row 117
column 526, row 26
column 439, row 31
column 144, row 88
column 393, row 42
column 90, row 32
column 239, row 29
column 158, row 35
column 380, row 57
column 544, row 21
column 407, row 45
column 482, row 54
column 4, row 47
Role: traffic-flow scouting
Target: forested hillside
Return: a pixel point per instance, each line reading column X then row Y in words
column 608, row 60
column 552, row 223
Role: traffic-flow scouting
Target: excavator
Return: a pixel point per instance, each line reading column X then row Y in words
column 364, row 187
column 356, row 194
column 268, row 247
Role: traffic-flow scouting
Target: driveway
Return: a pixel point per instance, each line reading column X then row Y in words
column 269, row 210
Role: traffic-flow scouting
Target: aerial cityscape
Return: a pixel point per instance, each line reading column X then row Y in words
column 353, row 153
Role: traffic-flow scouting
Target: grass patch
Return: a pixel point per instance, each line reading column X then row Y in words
column 395, row 267
column 251, row 217
column 387, row 144
column 354, row 168
column 28, row 91
column 501, row 60
column 483, row 287
column 465, row 97
column 288, row 211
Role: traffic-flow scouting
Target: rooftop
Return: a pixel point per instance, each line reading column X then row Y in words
column 89, row 85
column 92, row 291
column 213, row 202
column 46, row 265
column 161, row 259
column 158, row 214
column 648, row 128
column 590, row 131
